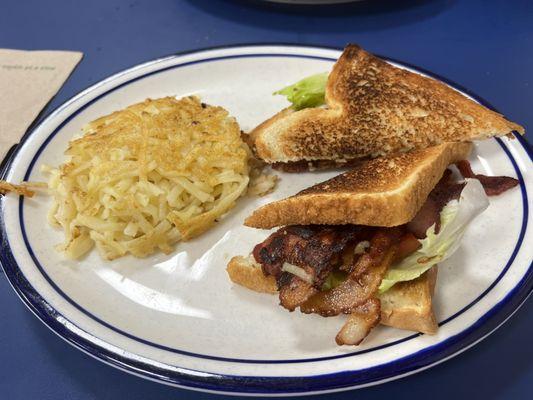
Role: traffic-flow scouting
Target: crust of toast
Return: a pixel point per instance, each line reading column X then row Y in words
column 245, row 272
column 373, row 109
column 383, row 192
column 407, row 305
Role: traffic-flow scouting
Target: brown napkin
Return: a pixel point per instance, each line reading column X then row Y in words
column 28, row 80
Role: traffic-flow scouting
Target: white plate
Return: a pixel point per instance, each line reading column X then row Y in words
column 179, row 320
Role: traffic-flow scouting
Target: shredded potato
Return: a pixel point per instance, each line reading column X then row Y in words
column 24, row 189
column 145, row 177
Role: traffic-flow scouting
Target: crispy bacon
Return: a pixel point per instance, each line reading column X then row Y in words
column 493, row 185
column 295, row 292
column 447, row 190
column 429, row 213
column 360, row 322
column 425, row 217
column 280, row 246
column 408, row 244
column 362, row 282
column 315, row 249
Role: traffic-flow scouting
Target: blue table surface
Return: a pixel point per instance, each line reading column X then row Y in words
column 484, row 46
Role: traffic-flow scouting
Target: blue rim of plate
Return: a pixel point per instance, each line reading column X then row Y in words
column 253, row 384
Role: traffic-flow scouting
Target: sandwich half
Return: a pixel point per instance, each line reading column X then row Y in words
column 366, row 108
column 366, row 243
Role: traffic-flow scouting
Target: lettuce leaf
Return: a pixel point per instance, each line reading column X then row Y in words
column 309, row 92
column 455, row 217
column 334, row 279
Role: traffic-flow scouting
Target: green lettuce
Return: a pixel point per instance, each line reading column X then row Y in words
column 455, row 217
column 309, row 92
column 334, row 279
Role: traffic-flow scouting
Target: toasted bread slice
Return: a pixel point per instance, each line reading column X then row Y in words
column 407, row 305
column 373, row 109
column 379, row 192
column 246, row 272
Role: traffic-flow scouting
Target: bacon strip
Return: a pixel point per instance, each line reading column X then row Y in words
column 316, row 249
column 363, row 281
column 279, row 246
column 296, row 292
column 493, row 185
column 429, row 213
column 360, row 322
column 447, row 190
column 408, row 245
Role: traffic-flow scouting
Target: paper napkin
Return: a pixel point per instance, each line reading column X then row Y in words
column 28, row 81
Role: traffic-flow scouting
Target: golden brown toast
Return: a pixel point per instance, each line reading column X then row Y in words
column 407, row 305
column 373, row 109
column 384, row 192
column 246, row 272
